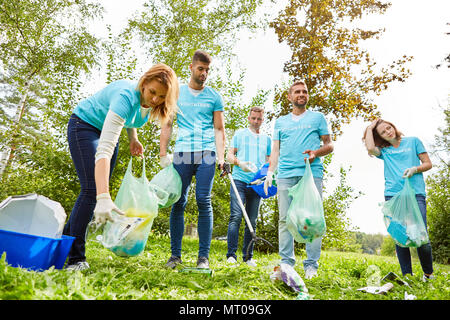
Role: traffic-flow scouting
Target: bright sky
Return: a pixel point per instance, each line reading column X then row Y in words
column 413, row 27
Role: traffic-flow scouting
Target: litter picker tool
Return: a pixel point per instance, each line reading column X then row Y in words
column 227, row 171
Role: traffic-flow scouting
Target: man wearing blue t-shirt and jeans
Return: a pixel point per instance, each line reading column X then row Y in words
column 297, row 137
column 249, row 148
column 200, row 138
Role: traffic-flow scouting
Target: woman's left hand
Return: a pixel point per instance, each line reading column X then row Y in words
column 136, row 148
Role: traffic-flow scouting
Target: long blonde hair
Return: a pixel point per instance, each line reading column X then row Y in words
column 165, row 75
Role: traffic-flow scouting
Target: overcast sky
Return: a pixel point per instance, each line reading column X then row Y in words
column 413, row 27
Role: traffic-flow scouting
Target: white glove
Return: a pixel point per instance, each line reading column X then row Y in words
column 247, row 166
column 104, row 208
column 409, row 172
column 257, row 181
column 165, row 161
column 268, row 182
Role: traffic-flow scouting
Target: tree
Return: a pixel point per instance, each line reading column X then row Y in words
column 335, row 207
column 44, row 47
column 171, row 30
column 447, row 58
column 438, row 186
column 388, row 246
column 342, row 77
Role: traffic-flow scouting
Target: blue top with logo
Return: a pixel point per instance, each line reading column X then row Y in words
column 397, row 160
column 295, row 137
column 251, row 147
column 195, row 119
column 121, row 96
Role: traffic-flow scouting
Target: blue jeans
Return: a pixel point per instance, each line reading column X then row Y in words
column 83, row 140
column 285, row 239
column 424, row 251
column 200, row 164
column 251, row 201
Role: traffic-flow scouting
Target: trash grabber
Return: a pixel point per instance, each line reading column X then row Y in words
column 227, row 171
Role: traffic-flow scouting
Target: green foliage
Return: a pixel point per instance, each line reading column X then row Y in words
column 45, row 48
column 335, row 206
column 342, row 78
column 44, row 51
column 145, row 278
column 370, row 243
column 171, row 30
column 438, row 214
column 388, row 246
column 438, row 186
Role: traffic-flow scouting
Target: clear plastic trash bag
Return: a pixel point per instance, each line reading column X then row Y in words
column 128, row 234
column 403, row 219
column 169, row 181
column 305, row 217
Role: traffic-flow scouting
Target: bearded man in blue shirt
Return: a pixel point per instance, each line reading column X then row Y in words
column 299, row 136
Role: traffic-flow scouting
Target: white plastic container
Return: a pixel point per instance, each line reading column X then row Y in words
column 32, row 214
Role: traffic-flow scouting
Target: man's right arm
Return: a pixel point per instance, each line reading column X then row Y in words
column 231, row 156
column 274, row 155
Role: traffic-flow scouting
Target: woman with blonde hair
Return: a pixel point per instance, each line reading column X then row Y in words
column 93, row 134
column 404, row 157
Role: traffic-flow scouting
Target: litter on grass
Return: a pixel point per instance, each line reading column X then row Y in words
column 394, row 277
column 410, row 296
column 377, row 290
column 289, row 276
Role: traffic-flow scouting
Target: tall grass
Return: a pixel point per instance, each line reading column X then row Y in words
column 145, row 277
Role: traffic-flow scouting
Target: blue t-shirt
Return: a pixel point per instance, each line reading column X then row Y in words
column 120, row 96
column 195, row 119
column 297, row 136
column 397, row 160
column 251, row 147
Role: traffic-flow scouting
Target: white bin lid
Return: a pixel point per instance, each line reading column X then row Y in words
column 32, row 214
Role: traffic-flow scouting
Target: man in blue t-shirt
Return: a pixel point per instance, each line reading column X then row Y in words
column 200, row 139
column 299, row 135
column 249, row 150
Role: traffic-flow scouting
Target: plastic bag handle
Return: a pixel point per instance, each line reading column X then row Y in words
column 130, row 169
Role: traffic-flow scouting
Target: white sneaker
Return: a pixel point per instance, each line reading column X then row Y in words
column 251, row 263
column 78, row 266
column 231, row 260
column 426, row 278
column 310, row 273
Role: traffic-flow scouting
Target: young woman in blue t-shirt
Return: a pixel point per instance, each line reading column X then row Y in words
column 404, row 157
column 93, row 134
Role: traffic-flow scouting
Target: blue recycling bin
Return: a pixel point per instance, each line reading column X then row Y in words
column 34, row 252
column 259, row 188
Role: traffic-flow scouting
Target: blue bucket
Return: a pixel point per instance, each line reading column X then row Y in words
column 259, row 188
column 34, row 252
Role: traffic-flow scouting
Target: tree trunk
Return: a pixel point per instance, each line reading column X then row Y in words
column 7, row 156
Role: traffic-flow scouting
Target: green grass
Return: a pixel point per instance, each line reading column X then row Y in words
column 145, row 277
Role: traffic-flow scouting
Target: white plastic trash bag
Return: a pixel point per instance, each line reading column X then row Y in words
column 289, row 276
column 32, row 214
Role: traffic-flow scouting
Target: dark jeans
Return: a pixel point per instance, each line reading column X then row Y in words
column 424, row 252
column 251, row 201
column 83, row 141
column 200, row 164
